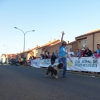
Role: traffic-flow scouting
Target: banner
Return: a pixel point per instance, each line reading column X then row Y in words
column 35, row 63
column 47, row 62
column 82, row 64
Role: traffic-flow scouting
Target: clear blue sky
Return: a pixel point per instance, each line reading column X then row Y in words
column 48, row 18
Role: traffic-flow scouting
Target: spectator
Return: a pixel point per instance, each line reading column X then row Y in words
column 25, row 61
column 77, row 54
column 48, row 54
column 82, row 52
column 22, row 60
column 12, row 61
column 87, row 52
column 93, row 53
column 16, row 60
column 45, row 56
column 56, row 54
column 98, row 51
column 41, row 56
column 71, row 53
column 53, row 58
column 33, row 58
column 29, row 61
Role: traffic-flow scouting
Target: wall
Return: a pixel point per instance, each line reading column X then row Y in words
column 39, row 51
column 90, row 42
column 69, row 47
column 96, row 40
column 80, row 43
column 74, row 46
column 54, row 48
column 3, row 58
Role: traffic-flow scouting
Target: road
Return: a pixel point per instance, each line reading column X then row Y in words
column 28, row 83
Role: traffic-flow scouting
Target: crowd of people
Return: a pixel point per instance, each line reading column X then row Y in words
column 21, row 61
column 52, row 56
column 18, row 61
column 85, row 52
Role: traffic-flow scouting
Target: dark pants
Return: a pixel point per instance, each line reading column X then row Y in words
column 52, row 62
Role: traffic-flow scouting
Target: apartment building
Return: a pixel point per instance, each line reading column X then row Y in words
column 90, row 40
column 51, row 46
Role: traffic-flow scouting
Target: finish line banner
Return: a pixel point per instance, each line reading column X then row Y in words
column 82, row 64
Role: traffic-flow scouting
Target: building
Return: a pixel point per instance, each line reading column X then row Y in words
column 71, row 45
column 51, row 46
column 3, row 58
column 25, row 54
column 90, row 40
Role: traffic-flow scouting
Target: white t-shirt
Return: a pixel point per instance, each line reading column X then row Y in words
column 71, row 53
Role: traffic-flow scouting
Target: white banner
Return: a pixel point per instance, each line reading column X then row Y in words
column 47, row 62
column 35, row 63
column 82, row 64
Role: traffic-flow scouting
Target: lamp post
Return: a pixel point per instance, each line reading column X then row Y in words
column 24, row 35
column 8, row 47
column 8, row 51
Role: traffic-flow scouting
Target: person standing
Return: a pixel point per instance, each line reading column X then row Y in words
column 53, row 58
column 98, row 49
column 71, row 53
column 56, row 54
column 63, row 55
column 87, row 52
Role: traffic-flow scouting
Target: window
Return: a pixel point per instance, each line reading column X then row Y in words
column 36, row 51
column 79, row 42
column 85, row 41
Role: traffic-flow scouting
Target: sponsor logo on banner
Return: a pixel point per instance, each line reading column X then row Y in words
column 70, row 64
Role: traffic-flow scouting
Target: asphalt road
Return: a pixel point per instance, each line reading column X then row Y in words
column 27, row 83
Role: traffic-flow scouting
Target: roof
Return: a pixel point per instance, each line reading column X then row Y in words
column 47, row 47
column 27, row 51
column 49, row 43
column 24, row 52
column 11, row 55
column 89, row 33
column 3, row 55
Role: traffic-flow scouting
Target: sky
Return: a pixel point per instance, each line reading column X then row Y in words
column 48, row 18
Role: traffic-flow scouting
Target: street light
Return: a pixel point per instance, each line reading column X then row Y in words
column 8, row 47
column 24, row 35
column 8, row 51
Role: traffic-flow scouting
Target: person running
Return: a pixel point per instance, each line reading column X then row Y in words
column 63, row 55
